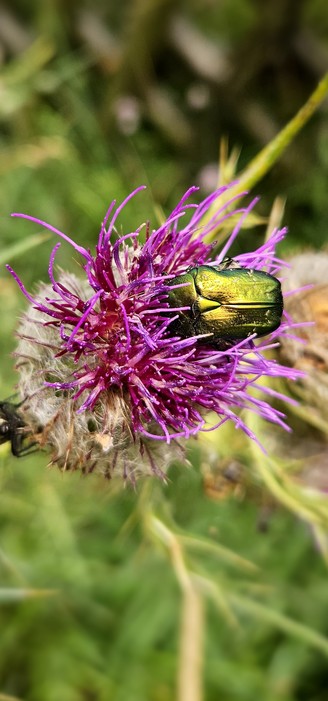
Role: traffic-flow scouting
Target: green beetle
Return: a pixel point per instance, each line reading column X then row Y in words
column 226, row 302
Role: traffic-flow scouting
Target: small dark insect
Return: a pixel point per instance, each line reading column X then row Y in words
column 13, row 429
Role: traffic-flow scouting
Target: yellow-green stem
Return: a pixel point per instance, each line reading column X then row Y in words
column 262, row 163
column 192, row 618
column 191, row 645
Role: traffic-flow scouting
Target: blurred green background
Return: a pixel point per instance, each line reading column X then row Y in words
column 95, row 99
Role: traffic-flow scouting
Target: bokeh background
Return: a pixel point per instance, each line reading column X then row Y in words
column 95, row 99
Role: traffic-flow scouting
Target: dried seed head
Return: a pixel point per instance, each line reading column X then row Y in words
column 101, row 439
column 309, row 308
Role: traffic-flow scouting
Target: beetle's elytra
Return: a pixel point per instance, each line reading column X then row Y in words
column 226, row 301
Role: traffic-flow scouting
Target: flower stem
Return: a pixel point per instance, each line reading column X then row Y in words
column 264, row 160
column 192, row 618
column 260, row 165
column 191, row 644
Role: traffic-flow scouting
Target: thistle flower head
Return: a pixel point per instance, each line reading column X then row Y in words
column 110, row 383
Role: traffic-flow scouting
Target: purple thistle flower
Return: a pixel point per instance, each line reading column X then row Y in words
column 105, row 376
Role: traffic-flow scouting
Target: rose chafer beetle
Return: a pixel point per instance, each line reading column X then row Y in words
column 226, row 302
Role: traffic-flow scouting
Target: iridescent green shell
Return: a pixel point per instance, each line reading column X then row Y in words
column 228, row 303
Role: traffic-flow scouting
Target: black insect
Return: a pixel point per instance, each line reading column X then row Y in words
column 13, row 429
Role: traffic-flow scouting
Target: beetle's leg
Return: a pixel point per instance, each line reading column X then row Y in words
column 18, row 448
column 228, row 264
column 194, row 310
column 28, row 450
column 16, row 444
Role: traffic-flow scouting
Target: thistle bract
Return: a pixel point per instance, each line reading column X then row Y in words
column 109, row 383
